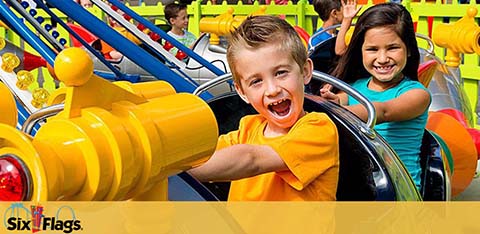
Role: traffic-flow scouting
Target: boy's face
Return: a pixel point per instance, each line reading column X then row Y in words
column 273, row 83
column 181, row 21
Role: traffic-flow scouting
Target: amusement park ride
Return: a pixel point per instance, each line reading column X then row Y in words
column 160, row 114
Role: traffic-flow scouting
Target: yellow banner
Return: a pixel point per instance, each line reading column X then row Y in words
column 240, row 217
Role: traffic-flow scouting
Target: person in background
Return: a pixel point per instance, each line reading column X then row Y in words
column 282, row 153
column 177, row 16
column 381, row 62
column 84, row 3
column 333, row 12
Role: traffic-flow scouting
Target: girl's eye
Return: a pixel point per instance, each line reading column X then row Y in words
column 371, row 49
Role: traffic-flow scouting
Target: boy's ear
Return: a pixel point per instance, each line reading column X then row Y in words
column 307, row 71
column 241, row 93
column 333, row 14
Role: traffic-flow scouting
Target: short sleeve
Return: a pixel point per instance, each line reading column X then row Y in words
column 227, row 140
column 246, row 127
column 310, row 150
column 409, row 85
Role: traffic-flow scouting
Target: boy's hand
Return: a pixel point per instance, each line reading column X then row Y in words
column 350, row 9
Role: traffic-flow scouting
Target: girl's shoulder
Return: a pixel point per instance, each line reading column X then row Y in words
column 360, row 81
column 411, row 84
column 407, row 84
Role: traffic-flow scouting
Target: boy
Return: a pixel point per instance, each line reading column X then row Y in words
column 333, row 12
column 177, row 16
column 282, row 153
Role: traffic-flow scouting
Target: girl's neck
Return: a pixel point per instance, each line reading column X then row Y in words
column 382, row 86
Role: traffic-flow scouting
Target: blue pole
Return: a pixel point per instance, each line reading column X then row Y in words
column 167, row 37
column 27, row 34
column 125, row 46
column 84, row 43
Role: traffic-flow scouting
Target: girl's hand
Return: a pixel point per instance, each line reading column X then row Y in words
column 329, row 95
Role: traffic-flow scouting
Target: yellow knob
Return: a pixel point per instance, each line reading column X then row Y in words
column 472, row 12
column 2, row 43
column 24, row 79
column 73, row 66
column 9, row 62
column 40, row 97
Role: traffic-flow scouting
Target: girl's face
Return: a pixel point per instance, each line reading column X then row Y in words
column 272, row 82
column 384, row 56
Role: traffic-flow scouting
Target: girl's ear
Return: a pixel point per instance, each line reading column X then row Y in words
column 307, row 71
column 240, row 92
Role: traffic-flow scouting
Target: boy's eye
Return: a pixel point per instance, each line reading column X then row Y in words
column 280, row 72
column 254, row 82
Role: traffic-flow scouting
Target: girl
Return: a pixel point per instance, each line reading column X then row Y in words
column 381, row 62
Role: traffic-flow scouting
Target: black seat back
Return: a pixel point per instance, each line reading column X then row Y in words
column 434, row 176
column 324, row 60
column 356, row 181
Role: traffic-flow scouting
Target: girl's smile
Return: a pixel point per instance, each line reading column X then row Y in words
column 384, row 56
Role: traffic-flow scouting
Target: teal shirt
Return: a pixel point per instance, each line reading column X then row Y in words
column 405, row 137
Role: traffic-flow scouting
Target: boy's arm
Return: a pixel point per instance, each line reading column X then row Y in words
column 349, row 12
column 239, row 161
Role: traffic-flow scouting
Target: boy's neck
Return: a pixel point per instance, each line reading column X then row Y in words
column 327, row 24
column 177, row 31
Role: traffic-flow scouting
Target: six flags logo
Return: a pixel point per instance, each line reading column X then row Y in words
column 36, row 221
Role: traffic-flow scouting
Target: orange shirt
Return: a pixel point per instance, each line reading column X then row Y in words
column 310, row 151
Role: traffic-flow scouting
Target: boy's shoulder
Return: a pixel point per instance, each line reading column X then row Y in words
column 316, row 118
column 250, row 120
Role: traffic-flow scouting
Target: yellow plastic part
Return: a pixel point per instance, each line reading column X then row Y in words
column 74, row 65
column 221, row 25
column 9, row 62
column 462, row 36
column 113, row 141
column 24, row 79
column 16, row 143
column 148, row 90
column 3, row 43
column 224, row 24
column 39, row 97
column 57, row 96
column 348, row 35
column 7, row 106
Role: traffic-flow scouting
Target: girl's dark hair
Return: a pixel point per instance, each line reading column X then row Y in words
column 350, row 66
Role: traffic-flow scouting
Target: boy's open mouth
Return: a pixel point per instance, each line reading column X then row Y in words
column 281, row 108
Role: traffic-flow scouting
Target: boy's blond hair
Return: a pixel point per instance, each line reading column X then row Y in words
column 258, row 31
